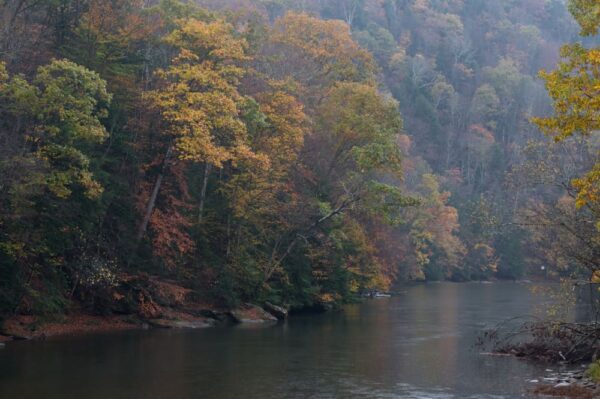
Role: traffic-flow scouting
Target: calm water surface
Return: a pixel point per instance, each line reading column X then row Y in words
column 418, row 345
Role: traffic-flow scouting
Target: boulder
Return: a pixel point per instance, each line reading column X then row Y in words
column 277, row 311
column 17, row 330
column 168, row 293
column 252, row 314
column 190, row 324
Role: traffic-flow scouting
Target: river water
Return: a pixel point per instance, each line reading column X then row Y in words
column 417, row 345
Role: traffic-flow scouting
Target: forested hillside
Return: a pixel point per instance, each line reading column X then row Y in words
column 295, row 152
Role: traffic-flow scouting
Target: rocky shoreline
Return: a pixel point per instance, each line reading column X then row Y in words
column 31, row 328
column 139, row 302
column 566, row 384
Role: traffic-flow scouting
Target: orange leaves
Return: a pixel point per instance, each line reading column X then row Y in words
column 170, row 241
column 120, row 18
column 170, row 219
column 436, row 225
column 481, row 132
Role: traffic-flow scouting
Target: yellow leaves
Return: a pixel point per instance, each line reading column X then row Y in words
column 594, row 56
column 93, row 189
column 286, row 118
column 319, row 51
column 186, row 56
column 244, row 153
column 588, row 188
column 210, row 40
column 361, row 126
column 209, row 121
column 261, row 187
column 398, row 58
column 485, row 257
column 3, row 74
column 575, row 90
column 199, row 99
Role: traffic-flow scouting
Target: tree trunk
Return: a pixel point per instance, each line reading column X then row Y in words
column 228, row 253
column 153, row 196
column 207, row 168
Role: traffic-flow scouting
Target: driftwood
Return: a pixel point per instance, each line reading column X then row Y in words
column 543, row 340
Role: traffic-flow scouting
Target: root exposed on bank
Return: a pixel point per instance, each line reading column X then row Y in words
column 544, row 340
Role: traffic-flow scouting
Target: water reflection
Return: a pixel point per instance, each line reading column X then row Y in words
column 418, row 345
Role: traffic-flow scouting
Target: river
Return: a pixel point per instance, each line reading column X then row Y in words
column 416, row 345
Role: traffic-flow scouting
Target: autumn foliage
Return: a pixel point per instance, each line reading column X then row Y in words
column 291, row 152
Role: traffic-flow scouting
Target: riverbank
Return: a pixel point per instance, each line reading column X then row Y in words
column 30, row 327
column 573, row 384
column 568, row 346
column 138, row 302
column 33, row 328
column 142, row 302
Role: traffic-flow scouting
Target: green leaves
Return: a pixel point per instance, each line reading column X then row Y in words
column 58, row 116
column 69, row 167
column 587, row 14
column 72, row 101
column 387, row 202
column 50, row 195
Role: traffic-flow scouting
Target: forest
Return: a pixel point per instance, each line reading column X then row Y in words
column 293, row 152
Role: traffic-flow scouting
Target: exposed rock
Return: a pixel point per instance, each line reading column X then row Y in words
column 568, row 384
column 168, row 294
column 134, row 301
column 17, row 329
column 252, row 314
column 190, row 324
column 217, row 315
column 5, row 338
column 277, row 311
